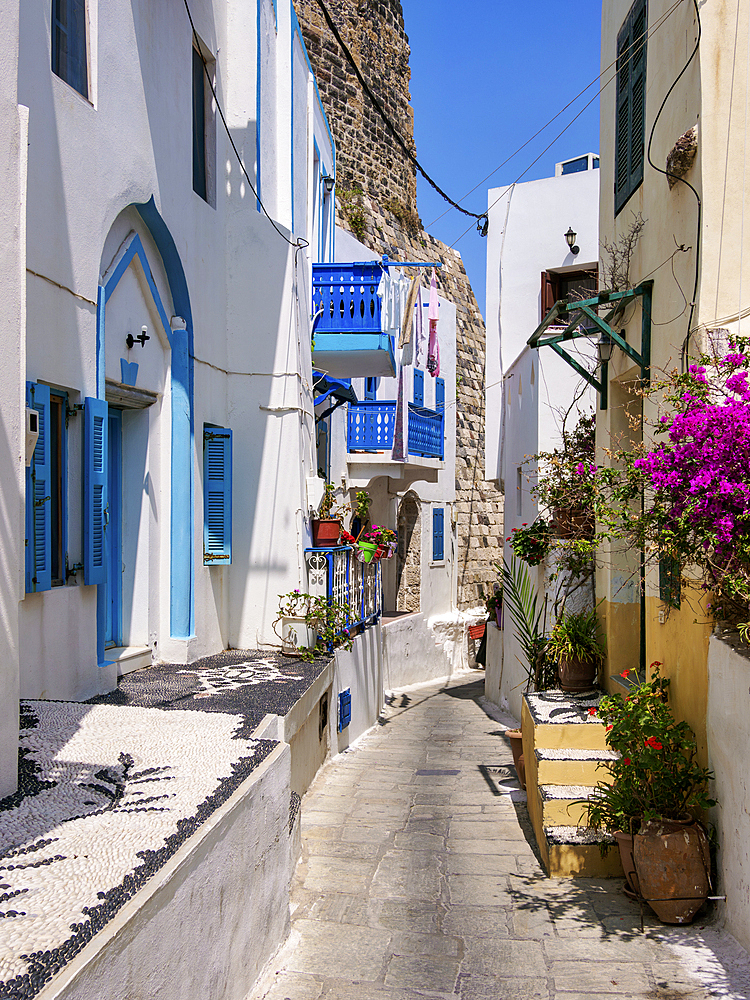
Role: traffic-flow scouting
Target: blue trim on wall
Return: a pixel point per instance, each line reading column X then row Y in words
column 296, row 28
column 182, row 563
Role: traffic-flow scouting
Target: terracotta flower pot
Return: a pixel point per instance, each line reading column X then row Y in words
column 576, row 676
column 516, row 746
column 673, row 864
column 325, row 532
column 625, row 843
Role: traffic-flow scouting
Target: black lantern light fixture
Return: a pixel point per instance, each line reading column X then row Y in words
column 328, row 183
column 570, row 239
column 604, row 347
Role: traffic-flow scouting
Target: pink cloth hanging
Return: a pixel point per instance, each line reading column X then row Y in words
column 433, row 349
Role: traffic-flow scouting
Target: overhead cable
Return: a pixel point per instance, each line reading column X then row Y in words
column 480, row 217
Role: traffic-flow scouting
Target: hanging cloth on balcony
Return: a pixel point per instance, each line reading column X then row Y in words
column 419, row 328
column 393, row 291
column 398, row 452
column 433, row 349
column 407, row 320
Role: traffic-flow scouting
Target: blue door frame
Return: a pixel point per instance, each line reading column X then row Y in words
column 113, row 532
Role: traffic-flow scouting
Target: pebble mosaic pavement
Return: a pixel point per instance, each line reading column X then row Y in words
column 109, row 790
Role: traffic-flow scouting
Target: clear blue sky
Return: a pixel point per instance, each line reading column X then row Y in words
column 485, row 75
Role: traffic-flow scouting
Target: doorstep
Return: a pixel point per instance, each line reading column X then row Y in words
column 129, row 658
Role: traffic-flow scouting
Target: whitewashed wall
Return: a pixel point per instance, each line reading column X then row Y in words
column 13, row 147
column 728, row 732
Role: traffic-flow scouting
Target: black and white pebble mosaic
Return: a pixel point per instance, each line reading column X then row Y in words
column 108, row 794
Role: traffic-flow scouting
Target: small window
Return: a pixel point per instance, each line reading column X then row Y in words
column 69, row 48
column 630, row 121
column 199, row 127
column 438, row 524
column 576, row 166
column 217, row 496
column 418, row 387
column 670, row 581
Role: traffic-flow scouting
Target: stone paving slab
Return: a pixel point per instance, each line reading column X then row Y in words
column 448, row 900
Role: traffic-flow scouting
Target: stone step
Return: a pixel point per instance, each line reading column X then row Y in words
column 571, row 766
column 564, row 721
column 557, row 804
column 570, row 851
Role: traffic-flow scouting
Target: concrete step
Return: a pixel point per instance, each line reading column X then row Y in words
column 571, row 766
column 557, row 804
column 570, row 851
column 129, row 658
column 562, row 720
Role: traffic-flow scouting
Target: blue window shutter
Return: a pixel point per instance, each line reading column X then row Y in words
column 438, row 548
column 371, row 388
column 95, row 500
column 440, row 394
column 39, row 497
column 418, row 387
column 217, row 496
column 345, row 709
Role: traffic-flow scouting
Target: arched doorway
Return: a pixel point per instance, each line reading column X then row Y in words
column 409, row 554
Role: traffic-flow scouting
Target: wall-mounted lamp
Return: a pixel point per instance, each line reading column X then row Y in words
column 130, row 340
column 570, row 239
column 328, row 183
column 604, row 347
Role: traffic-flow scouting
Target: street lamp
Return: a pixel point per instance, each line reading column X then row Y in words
column 604, row 347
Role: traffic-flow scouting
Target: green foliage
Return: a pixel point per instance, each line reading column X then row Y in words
column 352, row 207
column 527, row 615
column 655, row 774
column 362, row 501
column 408, row 218
column 565, row 476
column 328, row 618
column 575, row 635
column 328, row 507
column 531, row 543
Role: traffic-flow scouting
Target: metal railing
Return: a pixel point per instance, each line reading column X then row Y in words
column 372, row 423
column 346, row 297
column 337, row 574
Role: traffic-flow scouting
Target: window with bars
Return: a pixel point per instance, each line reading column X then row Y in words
column 630, row 125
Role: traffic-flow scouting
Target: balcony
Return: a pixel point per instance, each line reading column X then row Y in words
column 337, row 574
column 348, row 340
column 371, row 425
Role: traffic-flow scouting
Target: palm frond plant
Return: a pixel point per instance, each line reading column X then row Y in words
column 528, row 615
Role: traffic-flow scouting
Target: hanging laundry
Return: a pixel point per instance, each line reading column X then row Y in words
column 418, row 328
column 433, row 349
column 398, row 452
column 407, row 320
column 392, row 291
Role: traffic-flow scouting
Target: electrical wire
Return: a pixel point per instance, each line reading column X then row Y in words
column 298, row 243
column 646, row 34
column 668, row 173
column 396, row 134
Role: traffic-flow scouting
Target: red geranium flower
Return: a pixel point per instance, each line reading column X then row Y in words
column 608, row 728
column 653, row 743
column 626, row 761
column 592, row 711
column 624, row 673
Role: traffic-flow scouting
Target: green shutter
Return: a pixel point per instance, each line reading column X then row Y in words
column 39, row 497
column 95, row 501
column 217, row 496
column 630, row 124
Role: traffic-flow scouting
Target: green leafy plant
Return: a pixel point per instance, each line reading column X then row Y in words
column 575, row 635
column 329, row 619
column 656, row 774
column 329, row 508
column 528, row 617
column 531, row 542
column 352, row 207
column 566, row 476
column 362, row 501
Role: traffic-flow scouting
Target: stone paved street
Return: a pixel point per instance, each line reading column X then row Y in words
column 419, row 879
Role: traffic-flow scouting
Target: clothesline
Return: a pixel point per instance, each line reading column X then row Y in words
column 392, row 263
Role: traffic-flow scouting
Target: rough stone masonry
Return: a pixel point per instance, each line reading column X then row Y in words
column 377, row 201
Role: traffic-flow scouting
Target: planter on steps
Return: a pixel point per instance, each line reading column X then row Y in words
column 516, row 746
column 673, row 865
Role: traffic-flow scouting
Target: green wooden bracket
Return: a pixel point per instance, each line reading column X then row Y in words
column 579, row 368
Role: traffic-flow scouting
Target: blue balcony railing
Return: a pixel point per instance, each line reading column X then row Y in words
column 337, row 574
column 372, row 422
column 346, row 296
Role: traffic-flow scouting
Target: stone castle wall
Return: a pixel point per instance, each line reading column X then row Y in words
column 376, row 200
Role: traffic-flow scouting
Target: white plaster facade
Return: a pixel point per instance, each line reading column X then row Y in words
column 528, row 390
column 118, row 240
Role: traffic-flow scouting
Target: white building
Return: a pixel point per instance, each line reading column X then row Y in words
column 167, row 333
column 530, row 266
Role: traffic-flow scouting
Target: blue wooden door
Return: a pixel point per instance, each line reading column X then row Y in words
column 113, row 532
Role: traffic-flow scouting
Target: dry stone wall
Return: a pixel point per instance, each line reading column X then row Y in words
column 376, row 200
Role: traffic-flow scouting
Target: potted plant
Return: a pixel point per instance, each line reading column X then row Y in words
column 377, row 542
column 361, row 511
column 656, row 789
column 312, row 625
column 531, row 542
column 326, row 528
column 566, row 479
column 577, row 648
column 528, row 617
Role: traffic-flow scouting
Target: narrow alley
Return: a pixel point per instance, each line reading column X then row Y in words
column 419, row 879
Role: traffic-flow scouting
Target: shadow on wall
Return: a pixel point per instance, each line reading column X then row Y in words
column 409, row 555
